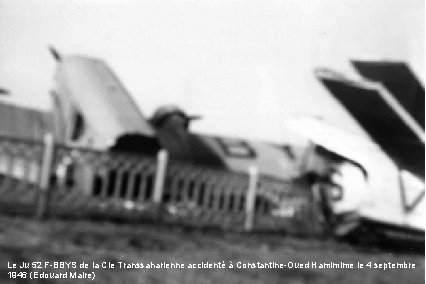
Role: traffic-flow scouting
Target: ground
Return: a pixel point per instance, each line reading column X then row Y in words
column 23, row 239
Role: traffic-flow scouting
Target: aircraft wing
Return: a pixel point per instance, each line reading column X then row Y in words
column 389, row 124
column 400, row 81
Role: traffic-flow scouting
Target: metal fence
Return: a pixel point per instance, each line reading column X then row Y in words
column 42, row 178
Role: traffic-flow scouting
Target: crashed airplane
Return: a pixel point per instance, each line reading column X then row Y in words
column 375, row 184
column 364, row 182
column 94, row 110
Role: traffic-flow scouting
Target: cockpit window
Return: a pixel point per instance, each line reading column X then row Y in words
column 237, row 148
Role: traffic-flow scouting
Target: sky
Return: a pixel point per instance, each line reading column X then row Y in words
column 242, row 65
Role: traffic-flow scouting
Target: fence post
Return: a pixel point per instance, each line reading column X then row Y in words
column 160, row 177
column 251, row 197
column 44, row 178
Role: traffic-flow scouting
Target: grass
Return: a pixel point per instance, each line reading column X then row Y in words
column 23, row 239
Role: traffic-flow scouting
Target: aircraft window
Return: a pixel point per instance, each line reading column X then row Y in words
column 78, row 127
column 237, row 148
